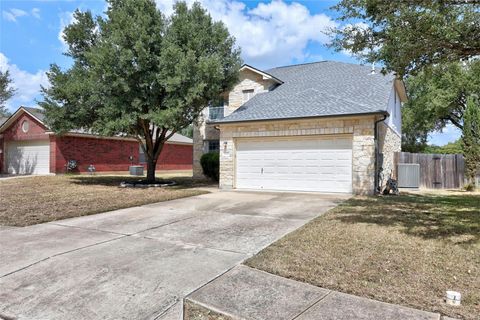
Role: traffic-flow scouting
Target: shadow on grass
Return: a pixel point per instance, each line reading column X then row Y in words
column 113, row 181
column 426, row 216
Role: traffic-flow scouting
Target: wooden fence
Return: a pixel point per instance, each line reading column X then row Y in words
column 437, row 171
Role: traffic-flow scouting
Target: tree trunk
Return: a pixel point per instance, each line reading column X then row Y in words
column 151, row 164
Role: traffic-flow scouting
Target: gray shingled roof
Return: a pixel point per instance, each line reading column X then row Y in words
column 318, row 89
column 37, row 113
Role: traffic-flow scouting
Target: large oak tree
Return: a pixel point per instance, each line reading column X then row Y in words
column 438, row 97
column 136, row 72
column 406, row 35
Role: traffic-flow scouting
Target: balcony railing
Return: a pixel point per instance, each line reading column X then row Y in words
column 216, row 113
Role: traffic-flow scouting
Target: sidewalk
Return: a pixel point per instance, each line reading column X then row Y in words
column 246, row 293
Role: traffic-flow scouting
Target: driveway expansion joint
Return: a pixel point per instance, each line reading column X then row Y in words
column 313, row 304
column 140, row 278
column 60, row 254
column 247, row 293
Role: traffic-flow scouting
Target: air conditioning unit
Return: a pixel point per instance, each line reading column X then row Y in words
column 408, row 175
column 136, row 170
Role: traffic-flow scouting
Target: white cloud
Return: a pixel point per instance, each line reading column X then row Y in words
column 36, row 13
column 27, row 84
column 448, row 134
column 270, row 34
column 66, row 18
column 13, row 14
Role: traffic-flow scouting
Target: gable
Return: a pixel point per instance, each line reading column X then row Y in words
column 15, row 129
column 248, row 80
column 316, row 90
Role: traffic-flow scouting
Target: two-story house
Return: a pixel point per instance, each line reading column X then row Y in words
column 325, row 126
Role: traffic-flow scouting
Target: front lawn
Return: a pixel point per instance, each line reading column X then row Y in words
column 406, row 250
column 31, row 200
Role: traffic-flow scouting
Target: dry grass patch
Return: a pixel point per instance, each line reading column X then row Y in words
column 32, row 200
column 406, row 250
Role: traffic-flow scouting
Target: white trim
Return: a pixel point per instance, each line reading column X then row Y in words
column 25, row 126
column 401, row 90
column 15, row 116
column 264, row 75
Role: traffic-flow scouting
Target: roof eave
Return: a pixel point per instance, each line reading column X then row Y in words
column 15, row 116
column 373, row 113
column 401, row 90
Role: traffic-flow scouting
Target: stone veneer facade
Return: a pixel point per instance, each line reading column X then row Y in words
column 389, row 142
column 202, row 131
column 361, row 129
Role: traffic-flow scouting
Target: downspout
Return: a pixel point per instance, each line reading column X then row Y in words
column 377, row 154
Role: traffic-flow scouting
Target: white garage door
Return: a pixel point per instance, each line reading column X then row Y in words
column 28, row 157
column 300, row 164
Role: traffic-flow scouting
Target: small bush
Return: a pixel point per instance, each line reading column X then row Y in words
column 211, row 165
column 470, row 187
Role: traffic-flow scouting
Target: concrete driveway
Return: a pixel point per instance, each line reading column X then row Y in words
column 139, row 263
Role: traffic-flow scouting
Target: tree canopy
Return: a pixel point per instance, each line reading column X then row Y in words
column 406, row 35
column 6, row 92
column 450, row 148
column 438, row 96
column 136, row 72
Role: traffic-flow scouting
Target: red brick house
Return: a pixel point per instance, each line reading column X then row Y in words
column 27, row 146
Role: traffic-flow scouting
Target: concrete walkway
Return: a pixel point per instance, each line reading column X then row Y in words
column 246, row 293
column 139, row 263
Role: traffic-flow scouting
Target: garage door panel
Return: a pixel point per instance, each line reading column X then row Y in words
column 28, row 157
column 318, row 164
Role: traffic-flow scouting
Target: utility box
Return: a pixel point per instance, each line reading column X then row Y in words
column 136, row 170
column 408, row 175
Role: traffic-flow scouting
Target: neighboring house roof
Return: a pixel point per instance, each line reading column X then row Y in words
column 2, row 120
column 318, row 89
column 39, row 115
column 177, row 137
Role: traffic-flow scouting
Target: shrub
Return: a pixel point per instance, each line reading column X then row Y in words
column 211, row 164
column 470, row 187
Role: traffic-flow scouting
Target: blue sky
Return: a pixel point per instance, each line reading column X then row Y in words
column 269, row 33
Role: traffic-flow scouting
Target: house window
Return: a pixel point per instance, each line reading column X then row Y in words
column 212, row 146
column 216, row 110
column 247, row 95
column 25, row 126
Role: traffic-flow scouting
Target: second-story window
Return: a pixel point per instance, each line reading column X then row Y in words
column 247, row 94
column 216, row 110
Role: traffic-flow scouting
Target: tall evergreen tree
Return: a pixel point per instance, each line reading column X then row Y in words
column 139, row 73
column 471, row 139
